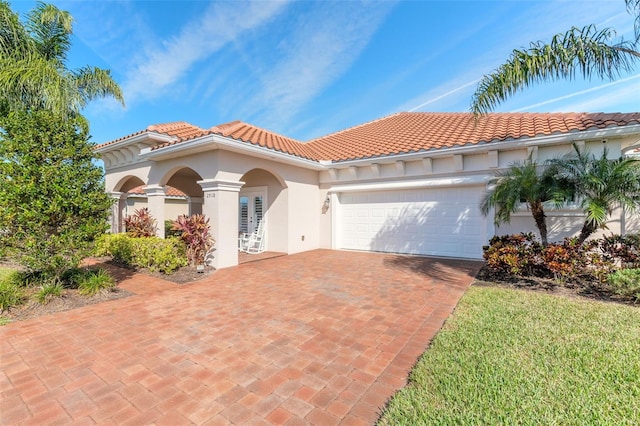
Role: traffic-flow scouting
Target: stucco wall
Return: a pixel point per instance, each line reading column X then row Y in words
column 172, row 207
column 561, row 224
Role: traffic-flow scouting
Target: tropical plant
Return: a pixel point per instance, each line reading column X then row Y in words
column 587, row 51
column 600, row 185
column 528, row 183
column 624, row 249
column 52, row 194
column 140, row 224
column 49, row 291
column 94, row 281
column 33, row 65
column 196, row 235
column 11, row 290
column 518, row 254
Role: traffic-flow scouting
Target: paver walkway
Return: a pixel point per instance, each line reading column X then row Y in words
column 322, row 337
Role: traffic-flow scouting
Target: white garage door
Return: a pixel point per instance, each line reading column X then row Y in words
column 436, row 221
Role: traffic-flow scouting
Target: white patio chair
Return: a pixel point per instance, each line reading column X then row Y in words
column 252, row 243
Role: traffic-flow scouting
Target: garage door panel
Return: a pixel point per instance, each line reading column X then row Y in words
column 441, row 222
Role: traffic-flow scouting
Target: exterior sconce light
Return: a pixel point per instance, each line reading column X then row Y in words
column 327, row 203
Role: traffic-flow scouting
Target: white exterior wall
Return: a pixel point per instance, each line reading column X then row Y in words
column 561, row 223
column 297, row 218
column 173, row 207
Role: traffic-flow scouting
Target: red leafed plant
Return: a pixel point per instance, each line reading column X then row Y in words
column 140, row 224
column 196, row 235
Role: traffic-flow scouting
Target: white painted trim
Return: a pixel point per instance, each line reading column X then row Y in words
column 228, row 144
column 135, row 139
column 154, row 190
column 409, row 184
column 209, row 185
column 335, row 222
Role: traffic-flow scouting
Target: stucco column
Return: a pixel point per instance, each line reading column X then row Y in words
column 221, row 208
column 195, row 205
column 155, row 203
column 116, row 217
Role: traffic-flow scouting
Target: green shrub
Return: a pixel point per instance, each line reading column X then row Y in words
column 10, row 295
column 51, row 192
column 118, row 246
column 156, row 254
column 48, row 291
column 11, row 290
column 626, row 282
column 94, row 281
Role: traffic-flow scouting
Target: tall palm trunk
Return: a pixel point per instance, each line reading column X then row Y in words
column 538, row 215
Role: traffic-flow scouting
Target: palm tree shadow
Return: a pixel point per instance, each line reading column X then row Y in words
column 442, row 269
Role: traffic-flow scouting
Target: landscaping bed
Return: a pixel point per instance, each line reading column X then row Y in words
column 70, row 298
column 581, row 288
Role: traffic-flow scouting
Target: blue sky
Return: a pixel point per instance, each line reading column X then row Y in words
column 309, row 68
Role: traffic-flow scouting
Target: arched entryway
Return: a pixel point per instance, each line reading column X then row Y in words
column 120, row 196
column 177, row 193
column 264, row 197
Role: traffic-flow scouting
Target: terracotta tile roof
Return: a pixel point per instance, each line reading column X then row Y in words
column 408, row 132
column 400, row 133
column 179, row 129
column 253, row 135
column 257, row 136
column 169, row 190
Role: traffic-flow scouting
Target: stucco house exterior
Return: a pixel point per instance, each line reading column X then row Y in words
column 405, row 183
column 176, row 202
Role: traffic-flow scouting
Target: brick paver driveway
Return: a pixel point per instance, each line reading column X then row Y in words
column 322, row 337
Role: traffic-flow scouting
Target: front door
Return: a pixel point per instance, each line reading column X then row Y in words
column 251, row 211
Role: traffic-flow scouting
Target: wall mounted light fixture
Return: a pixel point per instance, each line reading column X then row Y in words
column 327, row 202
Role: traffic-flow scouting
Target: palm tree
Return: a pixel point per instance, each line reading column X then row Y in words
column 33, row 64
column 600, row 185
column 587, row 51
column 524, row 182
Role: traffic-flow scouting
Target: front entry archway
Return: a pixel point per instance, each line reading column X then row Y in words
column 251, row 211
column 263, row 197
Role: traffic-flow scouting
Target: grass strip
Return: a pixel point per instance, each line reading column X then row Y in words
column 517, row 357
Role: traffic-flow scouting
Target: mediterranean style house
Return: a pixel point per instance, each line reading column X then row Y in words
column 405, row 183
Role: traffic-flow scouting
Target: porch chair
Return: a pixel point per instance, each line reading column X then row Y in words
column 252, row 243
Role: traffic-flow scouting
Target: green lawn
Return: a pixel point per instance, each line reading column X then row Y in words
column 517, row 357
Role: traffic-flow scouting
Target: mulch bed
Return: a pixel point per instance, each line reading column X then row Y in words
column 579, row 288
column 72, row 299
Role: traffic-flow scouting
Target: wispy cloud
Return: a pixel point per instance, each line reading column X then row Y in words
column 625, row 93
column 221, row 23
column 444, row 95
column 322, row 44
column 619, row 98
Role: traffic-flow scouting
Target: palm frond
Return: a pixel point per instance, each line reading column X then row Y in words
column 587, row 51
column 51, row 30
column 95, row 83
column 633, row 7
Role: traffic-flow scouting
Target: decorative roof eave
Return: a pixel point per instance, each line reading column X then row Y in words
column 143, row 137
column 215, row 141
column 509, row 144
